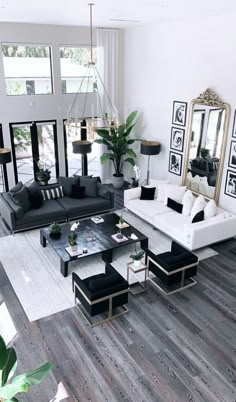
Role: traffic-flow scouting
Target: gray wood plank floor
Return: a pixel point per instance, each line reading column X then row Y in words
column 181, row 348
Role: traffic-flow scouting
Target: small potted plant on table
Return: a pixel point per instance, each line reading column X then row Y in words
column 72, row 241
column 137, row 257
column 55, row 230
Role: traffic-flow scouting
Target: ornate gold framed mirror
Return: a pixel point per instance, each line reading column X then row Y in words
column 205, row 146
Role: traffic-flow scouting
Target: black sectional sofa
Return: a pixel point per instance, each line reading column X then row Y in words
column 65, row 208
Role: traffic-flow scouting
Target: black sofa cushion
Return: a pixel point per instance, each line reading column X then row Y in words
column 67, row 183
column 90, row 186
column 50, row 211
column 77, row 191
column 22, row 199
column 86, row 206
column 35, row 195
column 199, row 217
column 104, row 282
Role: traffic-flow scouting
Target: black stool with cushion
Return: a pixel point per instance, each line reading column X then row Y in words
column 101, row 293
column 173, row 269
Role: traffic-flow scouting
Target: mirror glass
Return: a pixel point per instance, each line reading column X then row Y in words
column 206, row 143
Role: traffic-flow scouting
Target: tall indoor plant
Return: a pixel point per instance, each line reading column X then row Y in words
column 118, row 150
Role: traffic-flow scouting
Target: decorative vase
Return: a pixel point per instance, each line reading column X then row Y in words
column 118, row 181
column 137, row 263
column 73, row 248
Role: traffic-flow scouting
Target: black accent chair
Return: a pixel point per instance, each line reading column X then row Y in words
column 173, row 269
column 101, row 293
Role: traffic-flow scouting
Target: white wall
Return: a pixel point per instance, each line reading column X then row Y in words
column 39, row 107
column 177, row 61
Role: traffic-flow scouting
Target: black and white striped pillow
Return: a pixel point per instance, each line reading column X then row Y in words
column 52, row 193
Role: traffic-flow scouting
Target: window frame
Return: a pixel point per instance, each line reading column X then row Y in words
column 4, row 167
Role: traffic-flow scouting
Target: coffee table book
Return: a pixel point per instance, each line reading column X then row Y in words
column 74, row 252
column 122, row 225
column 118, row 239
column 97, row 219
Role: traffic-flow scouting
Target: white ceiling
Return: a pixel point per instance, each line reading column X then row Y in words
column 76, row 12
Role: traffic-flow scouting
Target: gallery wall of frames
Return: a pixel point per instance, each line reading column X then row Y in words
column 230, row 182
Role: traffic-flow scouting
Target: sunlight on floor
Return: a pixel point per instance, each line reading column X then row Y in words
column 7, row 328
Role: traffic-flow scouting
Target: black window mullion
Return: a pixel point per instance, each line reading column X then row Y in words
column 5, row 177
column 35, row 147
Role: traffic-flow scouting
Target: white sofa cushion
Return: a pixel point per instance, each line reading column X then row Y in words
column 190, row 226
column 210, row 209
column 198, row 205
column 160, row 188
column 147, row 208
column 174, row 192
column 187, row 202
column 173, row 224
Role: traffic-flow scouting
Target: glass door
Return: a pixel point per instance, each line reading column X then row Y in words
column 32, row 142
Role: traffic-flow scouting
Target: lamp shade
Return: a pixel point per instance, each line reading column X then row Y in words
column 150, row 147
column 82, row 147
column 5, row 155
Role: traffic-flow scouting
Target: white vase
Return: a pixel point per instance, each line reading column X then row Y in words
column 137, row 263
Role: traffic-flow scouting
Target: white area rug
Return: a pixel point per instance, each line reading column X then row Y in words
column 34, row 271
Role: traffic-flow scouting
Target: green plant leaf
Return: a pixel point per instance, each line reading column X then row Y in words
column 129, row 142
column 3, row 353
column 105, row 157
column 130, row 160
column 10, row 390
column 14, row 399
column 131, row 153
column 103, row 133
column 10, row 365
column 35, row 376
column 130, row 119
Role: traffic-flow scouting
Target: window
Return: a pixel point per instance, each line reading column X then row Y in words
column 3, row 168
column 27, row 69
column 74, row 67
column 31, row 142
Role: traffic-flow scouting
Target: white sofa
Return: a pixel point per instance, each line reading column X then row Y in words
column 220, row 227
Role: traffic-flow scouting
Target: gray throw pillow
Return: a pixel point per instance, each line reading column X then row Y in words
column 16, row 188
column 67, row 183
column 103, row 192
column 22, row 199
column 90, row 186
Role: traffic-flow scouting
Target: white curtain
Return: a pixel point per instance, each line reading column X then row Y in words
column 107, row 65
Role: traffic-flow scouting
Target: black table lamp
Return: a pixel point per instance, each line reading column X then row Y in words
column 5, row 157
column 149, row 148
column 83, row 148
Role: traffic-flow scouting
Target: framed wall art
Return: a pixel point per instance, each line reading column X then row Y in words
column 175, row 163
column 177, row 139
column 234, row 126
column 230, row 183
column 179, row 113
column 232, row 155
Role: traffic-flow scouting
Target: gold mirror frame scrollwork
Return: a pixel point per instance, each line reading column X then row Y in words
column 208, row 98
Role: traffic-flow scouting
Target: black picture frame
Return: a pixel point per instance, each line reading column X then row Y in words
column 175, row 163
column 177, row 139
column 234, row 126
column 232, row 155
column 179, row 113
column 230, row 183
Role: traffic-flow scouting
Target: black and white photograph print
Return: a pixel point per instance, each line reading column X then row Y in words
column 234, row 126
column 179, row 113
column 230, row 184
column 177, row 139
column 232, row 155
column 175, row 163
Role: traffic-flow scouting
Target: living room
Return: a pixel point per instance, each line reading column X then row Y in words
column 174, row 347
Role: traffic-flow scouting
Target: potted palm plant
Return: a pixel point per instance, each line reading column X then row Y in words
column 118, row 150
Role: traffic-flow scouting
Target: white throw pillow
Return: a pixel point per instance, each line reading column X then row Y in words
column 195, row 183
column 174, row 192
column 198, row 205
column 210, row 209
column 187, row 202
column 160, row 188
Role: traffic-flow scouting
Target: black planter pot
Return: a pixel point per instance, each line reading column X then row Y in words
column 55, row 235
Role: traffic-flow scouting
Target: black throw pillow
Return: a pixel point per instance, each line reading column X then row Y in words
column 67, row 183
column 35, row 196
column 176, row 206
column 77, row 191
column 90, row 185
column 198, row 217
column 147, row 193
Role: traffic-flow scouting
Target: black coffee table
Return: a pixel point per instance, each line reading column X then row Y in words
column 95, row 237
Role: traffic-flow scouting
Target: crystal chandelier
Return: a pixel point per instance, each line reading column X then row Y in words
column 105, row 118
